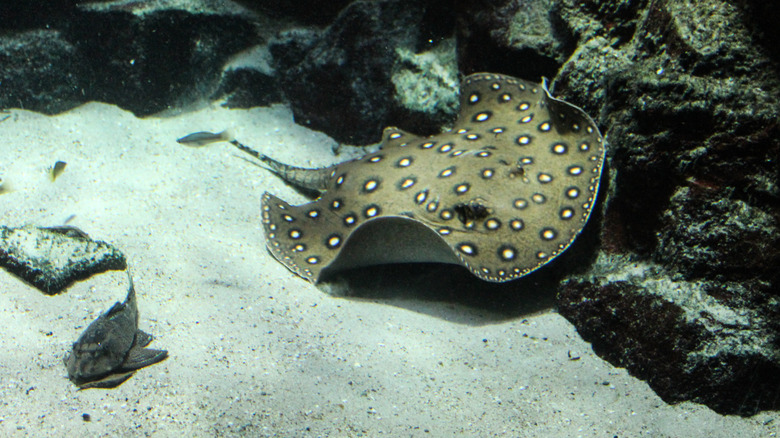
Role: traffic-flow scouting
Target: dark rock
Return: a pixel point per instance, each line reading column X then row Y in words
column 145, row 63
column 690, row 111
column 246, row 88
column 681, row 337
column 290, row 47
column 305, row 12
column 148, row 64
column 34, row 14
column 684, row 293
column 51, row 259
column 515, row 37
column 342, row 82
column 705, row 234
column 39, row 71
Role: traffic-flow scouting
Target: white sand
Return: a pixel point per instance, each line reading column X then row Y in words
column 255, row 350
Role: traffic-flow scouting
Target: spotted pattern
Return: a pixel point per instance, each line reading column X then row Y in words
column 506, row 190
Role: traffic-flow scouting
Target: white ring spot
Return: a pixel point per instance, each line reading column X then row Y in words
column 466, row 249
column 371, row 185
column 559, row 149
column 548, row 234
column 507, row 254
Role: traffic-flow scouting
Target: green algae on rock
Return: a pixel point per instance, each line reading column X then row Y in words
column 51, row 259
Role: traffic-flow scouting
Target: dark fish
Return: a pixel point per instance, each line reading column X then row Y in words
column 57, row 169
column 202, row 138
column 112, row 347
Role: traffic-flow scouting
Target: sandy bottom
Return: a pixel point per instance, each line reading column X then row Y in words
column 255, row 350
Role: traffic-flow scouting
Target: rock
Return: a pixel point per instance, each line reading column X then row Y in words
column 304, row 12
column 51, row 259
column 145, row 62
column 426, row 87
column 30, row 79
column 515, row 37
column 690, row 111
column 339, row 81
column 691, row 341
column 247, row 88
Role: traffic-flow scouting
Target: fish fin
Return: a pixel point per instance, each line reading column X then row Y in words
column 139, row 357
column 226, row 135
column 142, row 339
column 115, row 309
column 108, row 382
column 305, row 238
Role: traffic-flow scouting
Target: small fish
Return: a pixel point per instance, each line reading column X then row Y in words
column 57, row 169
column 68, row 231
column 5, row 187
column 112, row 347
column 203, row 138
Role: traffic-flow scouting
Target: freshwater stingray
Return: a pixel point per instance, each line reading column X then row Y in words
column 503, row 192
column 111, row 349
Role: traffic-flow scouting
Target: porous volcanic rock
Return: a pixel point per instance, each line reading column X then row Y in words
column 684, row 292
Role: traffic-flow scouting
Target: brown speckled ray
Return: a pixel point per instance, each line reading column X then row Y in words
column 504, row 192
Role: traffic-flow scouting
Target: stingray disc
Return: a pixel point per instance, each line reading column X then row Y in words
column 503, row 192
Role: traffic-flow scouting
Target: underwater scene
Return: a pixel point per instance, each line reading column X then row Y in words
column 360, row 218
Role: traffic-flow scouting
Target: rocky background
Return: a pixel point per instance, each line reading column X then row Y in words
column 676, row 279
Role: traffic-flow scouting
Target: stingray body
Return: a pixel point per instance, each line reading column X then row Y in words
column 503, row 192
